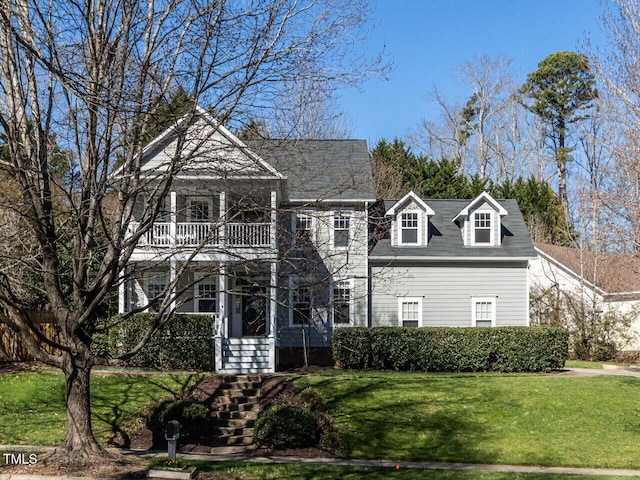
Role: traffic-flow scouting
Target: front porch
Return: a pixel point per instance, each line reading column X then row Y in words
column 240, row 297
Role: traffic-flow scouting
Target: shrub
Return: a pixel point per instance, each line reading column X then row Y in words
column 287, row 426
column 184, row 343
column 194, row 418
column 504, row 349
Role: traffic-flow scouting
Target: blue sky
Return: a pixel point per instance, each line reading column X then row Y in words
column 427, row 40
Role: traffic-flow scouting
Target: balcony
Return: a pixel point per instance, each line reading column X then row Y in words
column 233, row 235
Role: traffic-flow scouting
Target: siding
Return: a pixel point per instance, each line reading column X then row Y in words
column 446, row 292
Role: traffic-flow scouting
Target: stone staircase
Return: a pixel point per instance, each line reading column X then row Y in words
column 238, row 407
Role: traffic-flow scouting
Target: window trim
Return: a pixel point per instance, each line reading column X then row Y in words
column 294, row 225
column 202, row 278
column 484, row 299
column 401, row 301
column 349, row 229
column 155, row 279
column 191, row 199
column 294, row 285
column 419, row 228
column 492, row 226
column 349, row 282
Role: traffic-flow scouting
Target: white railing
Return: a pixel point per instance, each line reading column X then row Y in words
column 249, row 234
column 195, row 234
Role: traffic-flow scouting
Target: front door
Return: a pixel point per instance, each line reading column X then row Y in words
column 254, row 311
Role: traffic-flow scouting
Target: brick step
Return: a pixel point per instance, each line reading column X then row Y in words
column 223, row 400
column 239, row 392
column 240, row 385
column 238, row 414
column 233, row 440
column 234, row 431
column 235, row 422
column 238, row 407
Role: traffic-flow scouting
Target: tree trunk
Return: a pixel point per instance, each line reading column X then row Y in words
column 79, row 444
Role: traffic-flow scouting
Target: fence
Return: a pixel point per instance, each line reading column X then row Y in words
column 14, row 349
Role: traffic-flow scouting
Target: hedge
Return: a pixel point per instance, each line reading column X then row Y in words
column 184, row 343
column 502, row 349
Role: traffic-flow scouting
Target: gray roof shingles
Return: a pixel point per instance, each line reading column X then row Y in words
column 446, row 239
column 318, row 170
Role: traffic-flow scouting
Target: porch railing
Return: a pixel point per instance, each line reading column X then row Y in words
column 205, row 234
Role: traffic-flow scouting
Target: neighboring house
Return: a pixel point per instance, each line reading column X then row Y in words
column 273, row 239
column 454, row 263
column 609, row 282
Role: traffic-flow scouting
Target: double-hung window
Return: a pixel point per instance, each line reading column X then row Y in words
column 341, row 224
column 482, row 228
column 342, row 296
column 300, row 296
column 303, row 228
column 483, row 311
column 200, row 209
column 206, row 295
column 409, row 230
column 156, row 289
column 410, row 311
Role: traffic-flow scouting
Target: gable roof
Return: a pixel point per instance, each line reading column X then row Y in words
column 410, row 196
column 320, row 170
column 445, row 237
column 209, row 150
column 610, row 273
column 484, row 196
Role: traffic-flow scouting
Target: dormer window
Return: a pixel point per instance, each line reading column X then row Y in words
column 482, row 228
column 410, row 221
column 409, row 228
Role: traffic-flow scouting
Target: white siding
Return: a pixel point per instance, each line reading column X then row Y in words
column 447, row 290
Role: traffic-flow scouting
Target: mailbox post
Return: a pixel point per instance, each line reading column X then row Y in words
column 172, row 433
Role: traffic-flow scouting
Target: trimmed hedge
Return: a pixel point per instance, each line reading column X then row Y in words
column 502, row 349
column 184, row 343
column 287, row 426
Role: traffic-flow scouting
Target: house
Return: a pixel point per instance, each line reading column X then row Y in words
column 268, row 237
column 273, row 239
column 606, row 282
column 453, row 263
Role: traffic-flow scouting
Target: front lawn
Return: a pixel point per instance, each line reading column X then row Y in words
column 32, row 405
column 253, row 471
column 485, row 418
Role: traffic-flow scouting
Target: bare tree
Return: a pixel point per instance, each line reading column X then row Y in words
column 80, row 85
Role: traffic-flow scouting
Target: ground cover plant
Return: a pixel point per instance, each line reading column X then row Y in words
column 484, row 418
column 32, row 410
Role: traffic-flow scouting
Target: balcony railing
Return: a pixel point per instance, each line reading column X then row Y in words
column 245, row 235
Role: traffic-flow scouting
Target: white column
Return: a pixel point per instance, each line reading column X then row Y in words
column 222, row 231
column 121, row 292
column 274, row 218
column 172, row 276
column 173, row 217
column 222, row 299
column 273, row 329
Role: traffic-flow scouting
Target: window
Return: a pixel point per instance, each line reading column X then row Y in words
column 156, row 288
column 482, row 227
column 303, row 228
column 341, row 222
column 409, row 228
column 483, row 311
column 342, row 303
column 206, row 295
column 410, row 312
column 300, row 303
column 200, row 209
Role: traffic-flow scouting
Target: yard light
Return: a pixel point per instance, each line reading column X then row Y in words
column 172, row 434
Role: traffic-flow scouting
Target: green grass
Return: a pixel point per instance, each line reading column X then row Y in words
column 251, row 471
column 511, row 419
column 32, row 405
column 583, row 364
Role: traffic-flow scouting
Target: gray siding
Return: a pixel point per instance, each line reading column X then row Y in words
column 446, row 292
